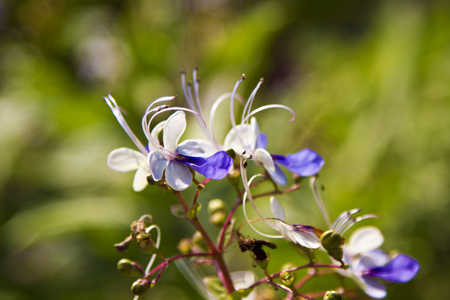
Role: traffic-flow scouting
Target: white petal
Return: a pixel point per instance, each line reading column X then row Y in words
column 239, row 139
column 254, row 131
column 126, row 159
column 263, row 157
column 140, row 179
column 277, row 209
column 158, row 163
column 178, row 176
column 155, row 133
column 306, row 239
column 364, row 240
column 173, row 129
column 192, row 148
column 374, row 288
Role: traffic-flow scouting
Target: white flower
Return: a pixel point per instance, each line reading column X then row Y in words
column 367, row 263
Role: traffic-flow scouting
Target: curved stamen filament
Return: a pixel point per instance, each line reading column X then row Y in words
column 270, row 106
column 233, row 94
column 319, row 202
column 248, row 195
column 116, row 110
column 248, row 105
column 344, row 219
column 356, row 220
column 155, row 142
column 214, row 109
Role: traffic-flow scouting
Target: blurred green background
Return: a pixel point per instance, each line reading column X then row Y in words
column 369, row 80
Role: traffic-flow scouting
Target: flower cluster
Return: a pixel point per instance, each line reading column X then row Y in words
column 163, row 161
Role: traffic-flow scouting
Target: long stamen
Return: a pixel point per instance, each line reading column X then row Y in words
column 354, row 221
column 213, row 112
column 196, row 84
column 118, row 114
column 270, row 106
column 189, row 99
column 152, row 139
column 319, row 202
column 248, row 105
column 343, row 219
column 248, row 195
column 233, row 93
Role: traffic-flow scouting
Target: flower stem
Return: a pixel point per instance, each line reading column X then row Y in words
column 217, row 255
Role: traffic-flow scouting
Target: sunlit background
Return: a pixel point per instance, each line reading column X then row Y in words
column 369, row 80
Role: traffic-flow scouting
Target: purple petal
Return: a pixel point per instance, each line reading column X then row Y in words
column 261, row 141
column 304, row 163
column 401, row 268
column 214, row 167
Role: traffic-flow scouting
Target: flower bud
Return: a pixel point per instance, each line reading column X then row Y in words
column 146, row 243
column 216, row 205
column 331, row 240
column 287, row 278
column 337, row 254
column 184, row 246
column 140, row 286
column 332, row 295
column 198, row 240
column 129, row 267
column 218, row 218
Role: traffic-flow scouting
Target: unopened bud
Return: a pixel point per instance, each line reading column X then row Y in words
column 216, row 205
column 146, row 243
column 331, row 240
column 287, row 278
column 184, row 246
column 337, row 254
column 198, row 240
column 140, row 286
column 129, row 267
column 218, row 218
column 332, row 295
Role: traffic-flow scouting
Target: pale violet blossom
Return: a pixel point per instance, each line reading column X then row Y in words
column 246, row 137
column 167, row 158
column 368, row 264
column 172, row 159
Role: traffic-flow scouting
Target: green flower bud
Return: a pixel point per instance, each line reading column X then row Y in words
column 146, row 243
column 337, row 254
column 331, row 240
column 218, row 218
column 198, row 240
column 287, row 278
column 332, row 295
column 287, row 266
column 129, row 267
column 216, row 205
column 184, row 246
column 140, row 286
